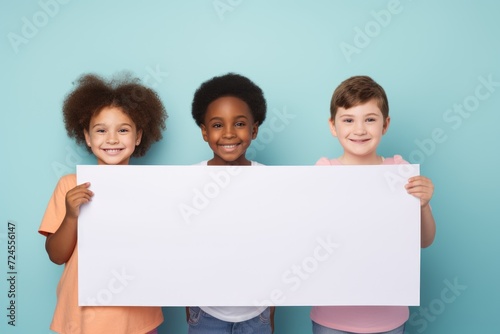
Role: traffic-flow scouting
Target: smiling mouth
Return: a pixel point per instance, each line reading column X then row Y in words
column 360, row 141
column 229, row 148
column 112, row 150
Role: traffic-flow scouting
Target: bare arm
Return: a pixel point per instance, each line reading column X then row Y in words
column 428, row 226
column 61, row 244
column 422, row 188
column 273, row 310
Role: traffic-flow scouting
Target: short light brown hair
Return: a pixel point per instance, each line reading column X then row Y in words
column 358, row 90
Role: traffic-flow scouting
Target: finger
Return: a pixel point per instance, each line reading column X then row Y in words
column 80, row 196
column 419, row 188
column 77, row 191
column 419, row 179
column 422, row 196
column 419, row 183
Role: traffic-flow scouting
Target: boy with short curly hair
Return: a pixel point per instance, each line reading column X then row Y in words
column 229, row 110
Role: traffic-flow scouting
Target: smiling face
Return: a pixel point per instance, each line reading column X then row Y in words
column 359, row 130
column 229, row 128
column 112, row 136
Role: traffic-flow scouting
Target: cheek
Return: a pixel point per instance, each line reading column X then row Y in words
column 340, row 132
column 209, row 135
column 250, row 134
column 381, row 131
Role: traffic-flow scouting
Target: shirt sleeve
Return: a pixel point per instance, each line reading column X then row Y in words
column 398, row 160
column 323, row 162
column 56, row 208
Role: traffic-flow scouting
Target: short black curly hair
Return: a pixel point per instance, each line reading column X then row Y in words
column 230, row 84
column 92, row 93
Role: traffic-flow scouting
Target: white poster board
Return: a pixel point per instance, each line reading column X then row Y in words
column 237, row 236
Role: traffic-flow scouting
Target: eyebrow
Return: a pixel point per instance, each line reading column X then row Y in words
column 217, row 118
column 352, row 115
column 104, row 124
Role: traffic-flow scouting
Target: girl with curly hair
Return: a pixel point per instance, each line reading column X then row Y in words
column 115, row 119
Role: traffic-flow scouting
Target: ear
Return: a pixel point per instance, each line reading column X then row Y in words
column 386, row 125
column 255, row 130
column 204, row 132
column 87, row 137
column 138, row 137
column 333, row 130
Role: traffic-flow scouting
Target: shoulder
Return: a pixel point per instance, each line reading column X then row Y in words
column 395, row 160
column 202, row 163
column 67, row 181
column 56, row 208
column 327, row 162
column 255, row 163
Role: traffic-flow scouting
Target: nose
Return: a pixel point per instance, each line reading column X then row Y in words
column 359, row 128
column 112, row 139
column 228, row 132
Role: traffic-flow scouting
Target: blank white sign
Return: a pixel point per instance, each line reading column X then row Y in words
column 239, row 236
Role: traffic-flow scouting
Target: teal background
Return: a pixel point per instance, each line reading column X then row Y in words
column 431, row 57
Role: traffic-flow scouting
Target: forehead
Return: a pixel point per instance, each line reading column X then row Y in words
column 228, row 107
column 111, row 114
column 368, row 108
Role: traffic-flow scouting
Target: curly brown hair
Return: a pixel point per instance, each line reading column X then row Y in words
column 92, row 93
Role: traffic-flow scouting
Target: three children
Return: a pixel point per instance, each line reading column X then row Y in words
column 229, row 110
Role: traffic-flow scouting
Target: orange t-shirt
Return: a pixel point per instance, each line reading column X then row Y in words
column 68, row 316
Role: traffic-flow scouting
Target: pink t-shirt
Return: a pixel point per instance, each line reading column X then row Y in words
column 68, row 316
column 360, row 319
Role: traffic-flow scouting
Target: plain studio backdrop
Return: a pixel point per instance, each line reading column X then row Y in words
column 438, row 62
